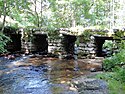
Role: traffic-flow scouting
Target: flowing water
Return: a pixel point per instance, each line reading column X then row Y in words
column 39, row 75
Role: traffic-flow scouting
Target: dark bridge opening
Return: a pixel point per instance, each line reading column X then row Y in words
column 15, row 44
column 68, row 44
column 99, row 41
column 40, row 43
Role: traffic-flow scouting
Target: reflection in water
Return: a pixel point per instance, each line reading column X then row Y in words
column 76, row 68
column 75, row 52
column 75, row 57
column 40, row 76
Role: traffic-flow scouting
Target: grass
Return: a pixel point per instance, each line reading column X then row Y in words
column 114, row 86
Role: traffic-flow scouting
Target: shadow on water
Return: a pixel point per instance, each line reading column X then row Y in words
column 40, row 75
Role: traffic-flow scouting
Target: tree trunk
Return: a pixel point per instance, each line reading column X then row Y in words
column 4, row 14
column 41, row 12
column 36, row 13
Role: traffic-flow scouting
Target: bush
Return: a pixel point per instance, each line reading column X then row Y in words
column 116, row 63
column 120, row 74
column 117, row 59
column 3, row 41
column 115, row 86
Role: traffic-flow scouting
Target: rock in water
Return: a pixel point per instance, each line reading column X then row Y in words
column 91, row 86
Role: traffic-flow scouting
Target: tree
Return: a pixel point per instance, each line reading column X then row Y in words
column 61, row 13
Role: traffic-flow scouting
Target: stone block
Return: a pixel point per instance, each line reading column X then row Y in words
column 89, row 49
column 82, row 44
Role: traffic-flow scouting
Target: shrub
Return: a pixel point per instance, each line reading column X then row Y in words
column 3, row 41
column 116, row 63
column 120, row 73
column 116, row 60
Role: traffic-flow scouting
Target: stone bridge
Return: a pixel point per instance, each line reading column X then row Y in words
column 63, row 45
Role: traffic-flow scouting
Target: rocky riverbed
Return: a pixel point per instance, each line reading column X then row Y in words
column 46, row 75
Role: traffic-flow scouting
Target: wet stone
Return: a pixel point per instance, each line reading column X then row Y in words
column 43, row 68
column 93, row 70
column 91, row 86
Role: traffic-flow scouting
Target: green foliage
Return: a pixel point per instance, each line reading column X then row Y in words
column 3, row 41
column 120, row 73
column 115, row 86
column 108, row 45
column 116, row 63
column 53, row 34
column 100, row 32
column 84, row 12
column 119, row 34
column 85, row 37
column 116, row 60
column 57, row 13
